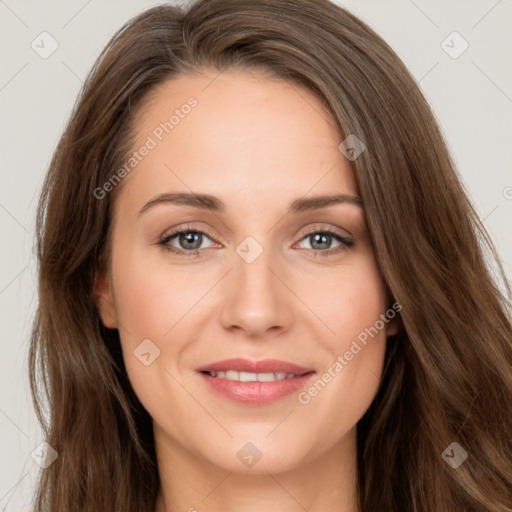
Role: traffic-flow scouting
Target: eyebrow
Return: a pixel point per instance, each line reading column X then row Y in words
column 214, row 204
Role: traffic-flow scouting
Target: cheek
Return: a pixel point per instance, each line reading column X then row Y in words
column 353, row 303
column 150, row 303
column 151, row 307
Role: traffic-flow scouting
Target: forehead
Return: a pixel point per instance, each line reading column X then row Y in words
column 239, row 135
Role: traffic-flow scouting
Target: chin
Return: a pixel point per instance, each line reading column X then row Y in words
column 255, row 457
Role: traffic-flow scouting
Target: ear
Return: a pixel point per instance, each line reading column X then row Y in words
column 395, row 324
column 104, row 300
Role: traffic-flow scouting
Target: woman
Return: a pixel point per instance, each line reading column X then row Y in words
column 261, row 282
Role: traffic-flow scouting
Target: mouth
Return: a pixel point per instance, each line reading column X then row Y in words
column 255, row 382
column 252, row 377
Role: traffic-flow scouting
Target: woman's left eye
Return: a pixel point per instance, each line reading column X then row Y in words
column 322, row 239
column 190, row 242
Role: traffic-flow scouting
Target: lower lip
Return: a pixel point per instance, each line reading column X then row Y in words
column 257, row 393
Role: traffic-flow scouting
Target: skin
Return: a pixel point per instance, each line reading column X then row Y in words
column 257, row 143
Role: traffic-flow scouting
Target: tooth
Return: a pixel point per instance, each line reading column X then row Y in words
column 266, row 377
column 248, row 377
column 251, row 376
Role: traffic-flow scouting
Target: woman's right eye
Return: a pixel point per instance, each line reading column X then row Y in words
column 191, row 241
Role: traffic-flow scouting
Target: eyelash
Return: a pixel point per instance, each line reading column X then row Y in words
column 346, row 242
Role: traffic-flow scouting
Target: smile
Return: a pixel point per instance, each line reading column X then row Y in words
column 252, row 377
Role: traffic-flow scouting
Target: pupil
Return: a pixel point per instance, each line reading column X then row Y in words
column 187, row 239
column 321, row 239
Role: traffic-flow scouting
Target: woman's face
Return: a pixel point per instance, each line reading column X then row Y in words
column 260, row 273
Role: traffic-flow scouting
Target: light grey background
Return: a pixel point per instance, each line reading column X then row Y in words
column 471, row 95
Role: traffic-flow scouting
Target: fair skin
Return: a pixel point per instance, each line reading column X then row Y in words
column 257, row 144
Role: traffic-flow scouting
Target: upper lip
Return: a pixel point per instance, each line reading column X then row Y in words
column 263, row 366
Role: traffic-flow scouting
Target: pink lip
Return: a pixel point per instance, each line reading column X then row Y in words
column 256, row 393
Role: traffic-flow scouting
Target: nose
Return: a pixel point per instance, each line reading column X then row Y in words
column 257, row 300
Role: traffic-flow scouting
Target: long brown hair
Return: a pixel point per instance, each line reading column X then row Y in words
column 448, row 373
